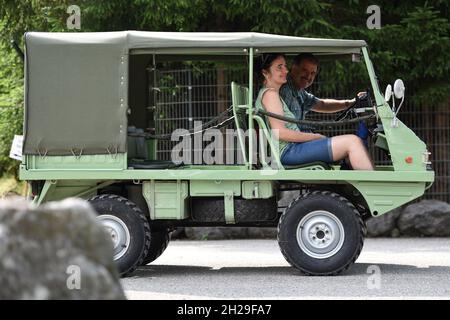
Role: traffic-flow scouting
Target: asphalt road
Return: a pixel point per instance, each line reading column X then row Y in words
column 255, row 269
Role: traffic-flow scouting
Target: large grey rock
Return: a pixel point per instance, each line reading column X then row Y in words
column 55, row 251
column 178, row 234
column 286, row 197
column 383, row 226
column 225, row 233
column 425, row 218
column 262, row 233
column 215, row 233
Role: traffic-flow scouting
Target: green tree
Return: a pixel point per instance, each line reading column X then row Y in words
column 413, row 42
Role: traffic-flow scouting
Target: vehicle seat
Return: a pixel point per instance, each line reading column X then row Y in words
column 240, row 100
column 138, row 154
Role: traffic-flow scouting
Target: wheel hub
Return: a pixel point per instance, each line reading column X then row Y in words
column 120, row 235
column 320, row 234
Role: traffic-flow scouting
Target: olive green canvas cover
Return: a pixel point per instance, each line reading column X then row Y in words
column 76, row 84
column 75, row 94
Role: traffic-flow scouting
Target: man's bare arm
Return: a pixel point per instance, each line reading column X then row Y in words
column 331, row 105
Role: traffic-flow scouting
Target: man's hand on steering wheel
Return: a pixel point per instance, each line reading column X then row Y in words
column 352, row 104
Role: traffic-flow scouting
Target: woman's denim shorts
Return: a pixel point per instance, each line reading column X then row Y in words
column 297, row 153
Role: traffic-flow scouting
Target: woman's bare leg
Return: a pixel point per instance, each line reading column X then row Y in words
column 352, row 147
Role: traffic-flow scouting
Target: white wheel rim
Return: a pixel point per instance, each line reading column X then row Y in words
column 120, row 235
column 320, row 234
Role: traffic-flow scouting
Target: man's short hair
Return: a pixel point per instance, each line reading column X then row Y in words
column 305, row 56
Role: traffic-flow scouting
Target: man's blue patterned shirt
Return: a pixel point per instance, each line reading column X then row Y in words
column 300, row 102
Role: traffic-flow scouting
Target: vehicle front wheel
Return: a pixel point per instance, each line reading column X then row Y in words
column 128, row 227
column 321, row 233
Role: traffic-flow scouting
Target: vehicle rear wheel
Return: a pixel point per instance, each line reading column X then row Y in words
column 128, row 227
column 159, row 240
column 321, row 233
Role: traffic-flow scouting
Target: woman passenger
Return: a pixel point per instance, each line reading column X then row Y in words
column 296, row 147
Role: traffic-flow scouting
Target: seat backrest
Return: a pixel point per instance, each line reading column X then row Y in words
column 137, row 146
column 240, row 100
column 266, row 142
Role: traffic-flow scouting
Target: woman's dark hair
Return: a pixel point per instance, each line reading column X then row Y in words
column 263, row 62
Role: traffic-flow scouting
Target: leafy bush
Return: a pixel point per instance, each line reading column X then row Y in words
column 412, row 44
column 11, row 106
column 10, row 124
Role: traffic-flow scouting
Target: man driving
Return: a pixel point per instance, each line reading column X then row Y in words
column 302, row 74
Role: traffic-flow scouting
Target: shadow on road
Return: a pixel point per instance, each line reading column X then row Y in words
column 357, row 269
column 171, row 270
column 284, row 282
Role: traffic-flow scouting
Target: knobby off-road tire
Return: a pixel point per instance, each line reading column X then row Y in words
column 159, row 240
column 129, row 229
column 321, row 233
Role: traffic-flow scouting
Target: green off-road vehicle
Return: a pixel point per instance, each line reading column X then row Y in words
column 91, row 102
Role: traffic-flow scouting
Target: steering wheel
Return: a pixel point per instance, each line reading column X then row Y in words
column 346, row 112
column 365, row 100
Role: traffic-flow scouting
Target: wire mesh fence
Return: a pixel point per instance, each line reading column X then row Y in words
column 186, row 96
